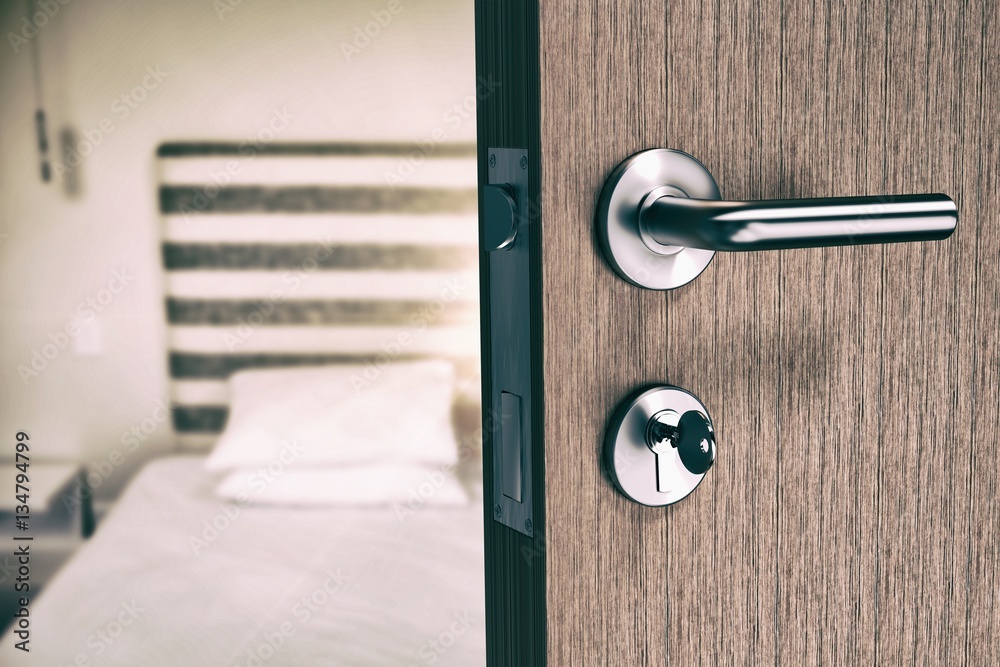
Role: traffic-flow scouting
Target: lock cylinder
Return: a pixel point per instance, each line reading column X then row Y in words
column 659, row 445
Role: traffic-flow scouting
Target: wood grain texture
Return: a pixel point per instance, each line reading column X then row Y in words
column 852, row 516
column 602, row 98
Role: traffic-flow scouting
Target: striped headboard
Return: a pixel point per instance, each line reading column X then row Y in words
column 306, row 254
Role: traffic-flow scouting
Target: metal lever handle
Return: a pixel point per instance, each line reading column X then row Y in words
column 660, row 220
column 781, row 224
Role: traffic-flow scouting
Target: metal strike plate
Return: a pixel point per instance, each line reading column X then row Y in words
column 659, row 446
column 506, row 244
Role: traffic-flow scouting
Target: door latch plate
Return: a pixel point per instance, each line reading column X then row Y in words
column 506, row 243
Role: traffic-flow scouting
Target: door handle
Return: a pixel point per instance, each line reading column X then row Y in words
column 660, row 220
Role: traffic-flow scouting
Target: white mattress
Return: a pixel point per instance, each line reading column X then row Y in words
column 403, row 592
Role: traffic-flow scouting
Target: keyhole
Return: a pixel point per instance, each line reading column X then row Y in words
column 660, row 431
column 687, row 437
column 661, row 438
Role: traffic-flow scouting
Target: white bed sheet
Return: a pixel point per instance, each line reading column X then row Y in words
column 383, row 591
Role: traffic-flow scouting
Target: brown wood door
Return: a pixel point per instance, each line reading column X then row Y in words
column 852, row 514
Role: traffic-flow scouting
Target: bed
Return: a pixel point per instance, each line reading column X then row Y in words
column 303, row 292
column 145, row 591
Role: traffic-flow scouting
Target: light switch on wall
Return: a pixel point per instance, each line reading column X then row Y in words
column 89, row 341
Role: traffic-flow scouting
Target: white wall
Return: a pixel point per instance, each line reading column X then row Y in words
column 225, row 76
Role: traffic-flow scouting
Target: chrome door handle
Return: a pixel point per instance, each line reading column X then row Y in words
column 796, row 223
column 660, row 220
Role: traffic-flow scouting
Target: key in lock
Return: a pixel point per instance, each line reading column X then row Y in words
column 688, row 436
column 659, row 446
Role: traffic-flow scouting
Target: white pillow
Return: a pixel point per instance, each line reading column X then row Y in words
column 407, row 487
column 346, row 414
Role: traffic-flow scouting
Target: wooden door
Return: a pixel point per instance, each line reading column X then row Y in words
column 851, row 516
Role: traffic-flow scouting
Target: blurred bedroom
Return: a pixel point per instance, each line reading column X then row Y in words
column 240, row 340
